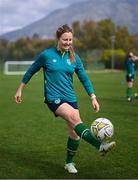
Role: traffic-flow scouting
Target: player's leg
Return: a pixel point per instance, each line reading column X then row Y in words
column 72, row 116
column 73, row 139
column 72, row 144
column 72, row 147
column 130, row 80
column 129, row 91
column 78, row 128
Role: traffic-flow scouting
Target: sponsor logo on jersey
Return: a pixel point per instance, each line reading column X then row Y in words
column 68, row 61
column 54, row 60
column 57, row 101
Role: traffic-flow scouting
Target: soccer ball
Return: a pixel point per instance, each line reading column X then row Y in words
column 102, row 129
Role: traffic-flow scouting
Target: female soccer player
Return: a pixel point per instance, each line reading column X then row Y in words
column 59, row 64
column 130, row 74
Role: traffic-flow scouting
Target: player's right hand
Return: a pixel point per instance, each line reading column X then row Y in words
column 18, row 97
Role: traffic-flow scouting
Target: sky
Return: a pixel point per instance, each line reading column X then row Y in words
column 15, row 14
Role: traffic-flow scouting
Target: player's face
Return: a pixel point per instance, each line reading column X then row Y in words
column 65, row 41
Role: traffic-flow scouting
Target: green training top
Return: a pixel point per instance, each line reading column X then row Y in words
column 130, row 66
column 58, row 75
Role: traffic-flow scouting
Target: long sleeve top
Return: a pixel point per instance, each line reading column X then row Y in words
column 130, row 67
column 58, row 73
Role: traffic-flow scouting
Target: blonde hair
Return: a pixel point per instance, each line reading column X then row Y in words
column 61, row 30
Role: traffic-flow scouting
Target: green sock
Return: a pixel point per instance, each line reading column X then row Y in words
column 129, row 92
column 84, row 132
column 72, row 146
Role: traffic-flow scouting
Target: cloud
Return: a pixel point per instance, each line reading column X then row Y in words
column 19, row 13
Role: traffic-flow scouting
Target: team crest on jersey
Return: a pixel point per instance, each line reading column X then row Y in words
column 54, row 60
column 68, row 61
column 57, row 101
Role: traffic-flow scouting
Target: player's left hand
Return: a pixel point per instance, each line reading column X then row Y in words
column 95, row 105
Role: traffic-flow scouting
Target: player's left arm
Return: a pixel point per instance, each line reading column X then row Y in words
column 88, row 85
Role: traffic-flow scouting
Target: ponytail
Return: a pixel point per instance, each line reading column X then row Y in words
column 72, row 54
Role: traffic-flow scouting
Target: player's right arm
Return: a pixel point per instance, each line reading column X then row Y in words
column 18, row 95
column 35, row 67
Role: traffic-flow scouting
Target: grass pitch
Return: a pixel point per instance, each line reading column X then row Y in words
column 33, row 141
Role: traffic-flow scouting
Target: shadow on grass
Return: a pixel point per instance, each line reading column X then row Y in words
column 31, row 165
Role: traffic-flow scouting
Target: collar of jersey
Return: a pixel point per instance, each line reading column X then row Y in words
column 61, row 52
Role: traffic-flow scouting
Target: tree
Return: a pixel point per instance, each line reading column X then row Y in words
column 123, row 38
column 134, row 43
column 106, row 29
column 3, row 49
column 119, row 58
column 77, row 31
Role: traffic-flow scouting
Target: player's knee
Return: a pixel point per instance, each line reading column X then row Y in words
column 74, row 118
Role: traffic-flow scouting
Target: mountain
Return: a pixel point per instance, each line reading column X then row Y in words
column 122, row 12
